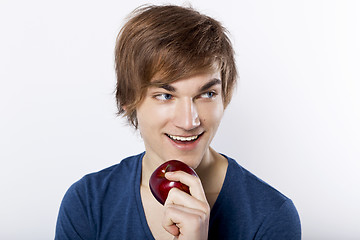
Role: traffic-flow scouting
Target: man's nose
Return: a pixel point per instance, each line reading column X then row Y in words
column 186, row 115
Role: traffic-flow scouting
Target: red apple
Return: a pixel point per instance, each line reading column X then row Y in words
column 160, row 186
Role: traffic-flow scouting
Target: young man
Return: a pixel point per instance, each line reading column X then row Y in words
column 175, row 76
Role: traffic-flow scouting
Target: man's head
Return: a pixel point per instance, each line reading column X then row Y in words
column 162, row 44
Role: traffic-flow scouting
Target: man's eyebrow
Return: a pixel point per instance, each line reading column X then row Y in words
column 168, row 87
column 203, row 88
column 208, row 85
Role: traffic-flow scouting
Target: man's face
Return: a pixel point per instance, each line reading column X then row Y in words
column 179, row 120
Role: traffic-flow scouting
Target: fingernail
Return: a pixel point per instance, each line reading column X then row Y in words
column 169, row 174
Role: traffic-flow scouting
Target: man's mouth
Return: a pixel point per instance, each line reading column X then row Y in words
column 183, row 139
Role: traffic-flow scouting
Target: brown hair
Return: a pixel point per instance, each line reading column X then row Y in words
column 169, row 43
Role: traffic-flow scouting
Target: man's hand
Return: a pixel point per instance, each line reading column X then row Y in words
column 186, row 216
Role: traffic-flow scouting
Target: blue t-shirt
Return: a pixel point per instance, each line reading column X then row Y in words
column 107, row 205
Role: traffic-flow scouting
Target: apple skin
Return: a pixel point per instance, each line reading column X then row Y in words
column 160, row 186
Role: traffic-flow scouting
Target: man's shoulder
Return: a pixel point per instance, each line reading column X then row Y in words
column 254, row 206
column 251, row 188
column 115, row 174
column 127, row 165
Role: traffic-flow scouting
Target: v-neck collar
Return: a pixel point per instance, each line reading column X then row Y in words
column 140, row 206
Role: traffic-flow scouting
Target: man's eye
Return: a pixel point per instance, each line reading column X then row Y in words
column 208, row 95
column 164, row 96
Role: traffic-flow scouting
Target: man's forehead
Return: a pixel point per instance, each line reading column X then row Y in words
column 168, row 76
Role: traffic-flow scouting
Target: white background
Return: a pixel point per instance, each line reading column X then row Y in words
column 294, row 120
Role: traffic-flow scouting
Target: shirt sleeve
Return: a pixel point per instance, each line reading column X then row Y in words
column 283, row 224
column 73, row 221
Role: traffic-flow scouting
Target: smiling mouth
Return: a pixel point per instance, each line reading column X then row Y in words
column 183, row 139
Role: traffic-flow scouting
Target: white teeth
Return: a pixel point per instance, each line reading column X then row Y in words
column 184, row 139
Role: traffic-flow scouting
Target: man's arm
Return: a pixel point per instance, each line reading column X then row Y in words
column 73, row 221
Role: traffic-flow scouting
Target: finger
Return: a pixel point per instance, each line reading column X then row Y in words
column 194, row 183
column 178, row 197
column 189, row 222
column 170, row 220
column 170, row 227
column 185, row 210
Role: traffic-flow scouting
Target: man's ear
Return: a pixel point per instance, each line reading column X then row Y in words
column 124, row 108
